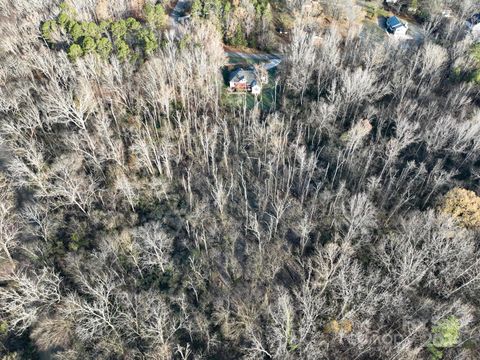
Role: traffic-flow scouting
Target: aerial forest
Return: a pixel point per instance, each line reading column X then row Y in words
column 146, row 215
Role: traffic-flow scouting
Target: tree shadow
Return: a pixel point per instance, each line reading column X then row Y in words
column 382, row 22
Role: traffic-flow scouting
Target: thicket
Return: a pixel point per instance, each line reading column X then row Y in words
column 127, row 39
column 141, row 217
column 241, row 23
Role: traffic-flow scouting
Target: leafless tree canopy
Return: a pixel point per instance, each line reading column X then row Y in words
column 143, row 216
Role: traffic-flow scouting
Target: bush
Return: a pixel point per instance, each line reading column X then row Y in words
column 119, row 29
column 155, row 15
column 91, row 29
column 123, row 50
column 476, row 76
column 76, row 31
column 88, row 45
column 104, row 26
column 464, row 206
column 104, row 48
column 148, row 41
column 48, row 27
column 74, row 52
column 64, row 20
column 446, row 335
column 133, row 25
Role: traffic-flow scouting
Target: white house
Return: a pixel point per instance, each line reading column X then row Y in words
column 245, row 80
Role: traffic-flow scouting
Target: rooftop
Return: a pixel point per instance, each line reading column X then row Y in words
column 243, row 74
column 394, row 22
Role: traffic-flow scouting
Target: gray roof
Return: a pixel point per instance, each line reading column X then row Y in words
column 247, row 74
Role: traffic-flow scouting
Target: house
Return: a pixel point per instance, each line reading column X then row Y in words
column 473, row 25
column 395, row 26
column 245, row 80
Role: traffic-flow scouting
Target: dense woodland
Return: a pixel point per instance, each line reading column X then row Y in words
column 142, row 216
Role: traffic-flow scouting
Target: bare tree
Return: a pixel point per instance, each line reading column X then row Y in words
column 29, row 296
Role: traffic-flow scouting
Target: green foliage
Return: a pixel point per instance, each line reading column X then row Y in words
column 119, row 29
column 104, row 48
column 3, row 327
column 133, row 24
column 435, row 353
column 104, row 26
column 74, row 52
column 91, row 29
column 89, row 37
column 63, row 19
column 123, row 50
column 88, row 45
column 476, row 76
column 239, row 38
column 476, row 52
column 76, row 31
column 446, row 335
column 197, row 8
column 148, row 40
column 48, row 27
column 67, row 8
column 155, row 15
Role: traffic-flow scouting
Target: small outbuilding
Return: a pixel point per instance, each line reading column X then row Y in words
column 395, row 26
column 245, row 80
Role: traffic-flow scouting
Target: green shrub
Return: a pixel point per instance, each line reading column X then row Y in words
column 88, row 45
column 104, row 48
column 476, row 52
column 155, row 15
column 197, row 8
column 123, row 51
column 476, row 76
column 133, row 24
column 91, row 29
column 64, row 20
column 76, row 31
column 48, row 27
column 446, row 335
column 74, row 52
column 104, row 26
column 3, row 327
column 67, row 8
column 148, row 41
column 119, row 29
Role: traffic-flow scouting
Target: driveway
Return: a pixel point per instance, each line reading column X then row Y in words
column 272, row 60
